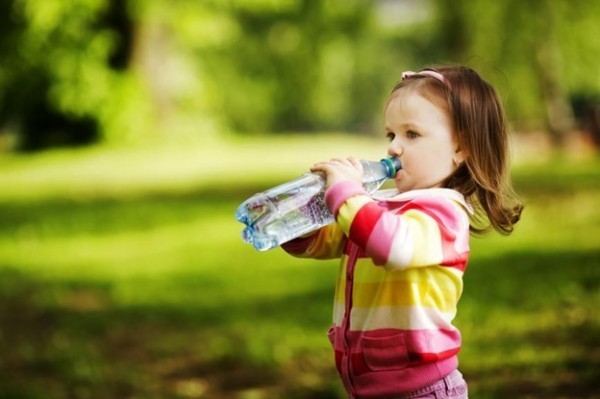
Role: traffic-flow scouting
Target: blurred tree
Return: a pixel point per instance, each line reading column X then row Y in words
column 64, row 73
column 546, row 49
column 119, row 70
column 45, row 47
column 299, row 66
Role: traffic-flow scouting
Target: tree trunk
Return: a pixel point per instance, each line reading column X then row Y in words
column 559, row 118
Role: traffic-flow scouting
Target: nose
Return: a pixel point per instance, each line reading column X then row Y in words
column 395, row 148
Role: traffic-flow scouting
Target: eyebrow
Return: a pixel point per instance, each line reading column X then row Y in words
column 406, row 126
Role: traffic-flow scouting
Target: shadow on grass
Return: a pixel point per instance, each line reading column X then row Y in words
column 70, row 339
column 562, row 355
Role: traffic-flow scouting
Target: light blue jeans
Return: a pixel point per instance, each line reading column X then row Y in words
column 453, row 386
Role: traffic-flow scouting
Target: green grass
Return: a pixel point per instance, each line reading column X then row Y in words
column 123, row 275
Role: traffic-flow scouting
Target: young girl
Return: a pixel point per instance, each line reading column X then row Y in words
column 404, row 251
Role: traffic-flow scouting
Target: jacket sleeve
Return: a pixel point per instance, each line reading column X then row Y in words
column 429, row 230
column 325, row 243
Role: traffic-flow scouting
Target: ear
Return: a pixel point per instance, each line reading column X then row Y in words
column 459, row 156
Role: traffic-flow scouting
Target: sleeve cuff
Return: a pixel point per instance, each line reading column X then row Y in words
column 340, row 192
column 298, row 245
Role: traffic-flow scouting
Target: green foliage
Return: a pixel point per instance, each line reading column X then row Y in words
column 294, row 67
column 123, row 275
column 57, row 85
column 133, row 70
column 521, row 45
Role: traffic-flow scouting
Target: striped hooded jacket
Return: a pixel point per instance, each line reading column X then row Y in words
column 400, row 279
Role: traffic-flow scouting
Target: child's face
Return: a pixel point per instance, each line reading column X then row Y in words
column 421, row 135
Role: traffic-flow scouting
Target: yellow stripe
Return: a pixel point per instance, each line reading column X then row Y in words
column 328, row 243
column 436, row 287
column 340, row 287
column 401, row 293
column 426, row 237
column 367, row 272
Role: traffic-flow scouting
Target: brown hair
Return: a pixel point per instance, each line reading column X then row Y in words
column 480, row 127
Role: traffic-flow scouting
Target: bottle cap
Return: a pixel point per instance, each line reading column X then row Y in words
column 393, row 166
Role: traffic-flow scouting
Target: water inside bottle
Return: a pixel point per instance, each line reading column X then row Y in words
column 279, row 215
column 295, row 208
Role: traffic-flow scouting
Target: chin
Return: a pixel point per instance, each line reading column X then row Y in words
column 402, row 188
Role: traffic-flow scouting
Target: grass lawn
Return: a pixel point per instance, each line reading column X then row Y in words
column 123, row 275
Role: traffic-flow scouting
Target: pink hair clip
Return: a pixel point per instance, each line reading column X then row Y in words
column 427, row 72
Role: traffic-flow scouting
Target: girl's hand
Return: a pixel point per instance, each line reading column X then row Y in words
column 337, row 170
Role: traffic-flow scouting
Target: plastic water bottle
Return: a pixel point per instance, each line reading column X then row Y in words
column 298, row 207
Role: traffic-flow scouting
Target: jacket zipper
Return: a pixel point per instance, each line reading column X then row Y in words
column 352, row 256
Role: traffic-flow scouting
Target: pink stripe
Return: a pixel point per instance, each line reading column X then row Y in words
column 400, row 368
column 417, row 341
column 340, row 192
column 380, row 241
column 449, row 225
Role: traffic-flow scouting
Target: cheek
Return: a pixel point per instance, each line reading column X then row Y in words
column 442, row 154
column 429, row 165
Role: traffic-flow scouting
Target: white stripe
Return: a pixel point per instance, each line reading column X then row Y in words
column 392, row 195
column 338, row 313
column 400, row 317
column 401, row 251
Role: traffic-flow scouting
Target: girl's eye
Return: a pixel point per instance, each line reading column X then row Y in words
column 411, row 134
column 390, row 136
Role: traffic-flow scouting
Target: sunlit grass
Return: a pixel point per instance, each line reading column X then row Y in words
column 130, row 171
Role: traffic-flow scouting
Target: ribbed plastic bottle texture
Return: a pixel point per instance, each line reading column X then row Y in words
column 298, row 207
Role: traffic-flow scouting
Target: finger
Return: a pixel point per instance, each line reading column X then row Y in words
column 316, row 167
column 320, row 166
column 355, row 162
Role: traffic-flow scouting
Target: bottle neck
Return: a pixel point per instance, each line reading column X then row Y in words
column 392, row 166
